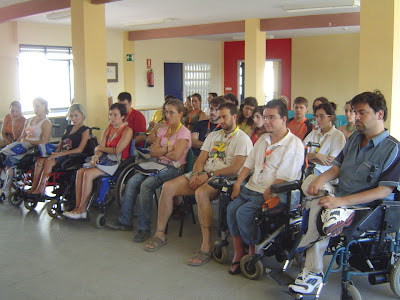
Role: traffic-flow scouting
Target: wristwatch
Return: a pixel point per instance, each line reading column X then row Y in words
column 210, row 174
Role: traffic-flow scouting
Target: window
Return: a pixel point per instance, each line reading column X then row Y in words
column 272, row 79
column 197, row 78
column 46, row 71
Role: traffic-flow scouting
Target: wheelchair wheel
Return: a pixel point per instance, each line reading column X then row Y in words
column 351, row 293
column 30, row 205
column 16, row 200
column 100, row 221
column 252, row 273
column 394, row 278
column 54, row 208
column 122, row 180
column 220, row 253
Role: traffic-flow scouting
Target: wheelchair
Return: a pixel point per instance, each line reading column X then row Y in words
column 280, row 227
column 107, row 189
column 61, row 179
column 368, row 247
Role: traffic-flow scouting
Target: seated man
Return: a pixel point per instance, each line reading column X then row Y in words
column 368, row 169
column 223, row 153
column 203, row 128
column 135, row 119
column 277, row 156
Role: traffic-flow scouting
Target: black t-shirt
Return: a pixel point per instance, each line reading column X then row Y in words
column 202, row 128
column 72, row 141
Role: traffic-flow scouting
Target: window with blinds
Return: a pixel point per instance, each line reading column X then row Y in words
column 197, row 77
column 47, row 72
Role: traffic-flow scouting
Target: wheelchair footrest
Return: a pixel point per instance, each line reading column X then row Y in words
column 282, row 278
column 301, row 296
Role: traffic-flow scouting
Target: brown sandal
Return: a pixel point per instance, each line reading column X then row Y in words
column 156, row 243
column 202, row 256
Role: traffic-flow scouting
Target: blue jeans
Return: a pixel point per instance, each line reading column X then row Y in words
column 141, row 187
column 241, row 213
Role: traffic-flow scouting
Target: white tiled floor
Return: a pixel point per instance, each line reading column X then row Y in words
column 45, row 258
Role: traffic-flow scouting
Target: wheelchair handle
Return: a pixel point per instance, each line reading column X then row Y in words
column 312, row 144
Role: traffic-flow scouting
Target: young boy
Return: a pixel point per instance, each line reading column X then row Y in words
column 299, row 125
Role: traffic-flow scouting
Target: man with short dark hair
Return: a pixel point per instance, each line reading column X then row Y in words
column 223, row 153
column 277, row 157
column 203, row 128
column 231, row 97
column 135, row 119
column 368, row 169
column 207, row 109
column 299, row 125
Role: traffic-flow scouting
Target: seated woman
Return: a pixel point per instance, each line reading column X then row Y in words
column 113, row 148
column 13, row 124
column 196, row 114
column 73, row 141
column 245, row 120
column 258, row 124
column 37, row 131
column 158, row 115
column 330, row 139
column 350, row 127
column 170, row 147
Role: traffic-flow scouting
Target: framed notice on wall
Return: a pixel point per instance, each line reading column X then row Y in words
column 112, row 72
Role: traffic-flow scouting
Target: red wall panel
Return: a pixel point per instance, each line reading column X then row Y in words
column 275, row 49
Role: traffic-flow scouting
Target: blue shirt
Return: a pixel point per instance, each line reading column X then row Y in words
column 378, row 163
column 202, row 128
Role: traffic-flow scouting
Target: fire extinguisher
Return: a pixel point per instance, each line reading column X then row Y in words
column 150, row 78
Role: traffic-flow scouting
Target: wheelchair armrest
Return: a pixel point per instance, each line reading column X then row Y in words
column 286, row 186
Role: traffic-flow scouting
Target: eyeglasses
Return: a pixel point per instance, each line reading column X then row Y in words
column 321, row 117
column 269, row 118
column 169, row 112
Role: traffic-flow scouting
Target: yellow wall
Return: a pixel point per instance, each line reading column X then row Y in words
column 178, row 50
column 13, row 34
column 326, row 66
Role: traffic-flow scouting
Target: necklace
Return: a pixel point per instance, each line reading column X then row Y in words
column 169, row 133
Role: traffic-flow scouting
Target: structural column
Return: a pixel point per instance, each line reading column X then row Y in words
column 379, row 66
column 254, row 58
column 129, row 65
column 90, row 61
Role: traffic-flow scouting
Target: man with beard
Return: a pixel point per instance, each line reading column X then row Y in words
column 277, row 157
column 203, row 128
column 223, row 153
column 368, row 169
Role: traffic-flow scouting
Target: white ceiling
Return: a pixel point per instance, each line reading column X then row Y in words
column 191, row 12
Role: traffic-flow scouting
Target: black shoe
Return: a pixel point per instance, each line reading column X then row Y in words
column 237, row 270
column 141, row 236
column 117, row 225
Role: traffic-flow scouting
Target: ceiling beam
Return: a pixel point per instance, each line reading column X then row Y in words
column 33, row 7
column 187, row 31
column 312, row 21
column 289, row 23
column 103, row 1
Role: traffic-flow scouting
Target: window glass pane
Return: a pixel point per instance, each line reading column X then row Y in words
column 197, row 80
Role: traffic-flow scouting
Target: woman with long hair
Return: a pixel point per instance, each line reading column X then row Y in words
column 113, row 148
column 13, row 124
column 350, row 127
column 258, row 124
column 331, row 141
column 195, row 114
column 73, row 141
column 172, row 143
column 245, row 120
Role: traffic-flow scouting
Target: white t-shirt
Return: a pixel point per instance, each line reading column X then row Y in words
column 331, row 144
column 239, row 144
column 284, row 162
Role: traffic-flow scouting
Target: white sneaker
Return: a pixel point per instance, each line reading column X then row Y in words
column 335, row 219
column 306, row 282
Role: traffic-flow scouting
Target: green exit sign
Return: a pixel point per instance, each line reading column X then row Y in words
column 129, row 57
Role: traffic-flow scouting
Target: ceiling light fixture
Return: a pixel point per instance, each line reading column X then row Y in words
column 338, row 4
column 151, row 22
column 60, row 15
